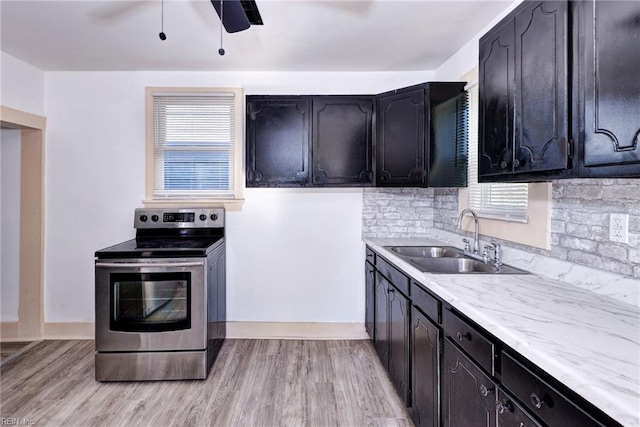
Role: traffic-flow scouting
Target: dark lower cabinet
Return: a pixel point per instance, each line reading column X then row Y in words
column 392, row 333
column 399, row 317
column 425, row 371
column 278, row 135
column 370, row 295
column 342, row 148
column 609, row 59
column 541, row 398
column 381, row 323
column 452, row 372
column 510, row 414
column 469, row 397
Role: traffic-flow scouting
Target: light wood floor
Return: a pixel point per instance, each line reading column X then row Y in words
column 252, row 383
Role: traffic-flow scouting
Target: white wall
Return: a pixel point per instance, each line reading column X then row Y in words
column 10, row 143
column 293, row 255
column 21, row 85
column 466, row 58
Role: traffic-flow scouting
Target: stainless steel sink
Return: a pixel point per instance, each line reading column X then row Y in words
column 461, row 266
column 449, row 260
column 428, row 251
column 452, row 265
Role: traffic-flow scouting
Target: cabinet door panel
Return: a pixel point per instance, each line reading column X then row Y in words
column 469, row 395
column 342, row 140
column 542, row 103
column 401, row 144
column 497, row 86
column 399, row 342
column 425, row 371
column 381, row 342
column 611, row 60
column 278, row 135
column 370, row 294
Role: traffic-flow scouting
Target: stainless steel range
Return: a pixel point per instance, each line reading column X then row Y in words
column 161, row 297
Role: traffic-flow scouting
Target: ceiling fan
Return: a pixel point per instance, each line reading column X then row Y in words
column 237, row 15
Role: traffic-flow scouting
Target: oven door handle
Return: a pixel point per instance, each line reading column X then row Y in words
column 149, row 264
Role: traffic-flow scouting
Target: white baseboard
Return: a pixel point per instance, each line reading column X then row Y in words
column 10, row 331
column 296, row 330
column 69, row 331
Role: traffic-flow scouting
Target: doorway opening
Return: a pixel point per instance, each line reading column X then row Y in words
column 29, row 325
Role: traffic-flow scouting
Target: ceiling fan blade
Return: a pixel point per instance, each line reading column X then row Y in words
column 234, row 17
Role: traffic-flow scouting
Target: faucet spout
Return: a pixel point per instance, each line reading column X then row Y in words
column 476, row 243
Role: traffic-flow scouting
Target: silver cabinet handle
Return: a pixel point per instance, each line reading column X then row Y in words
column 536, row 401
column 464, row 336
column 484, row 390
column 502, row 407
column 148, row 264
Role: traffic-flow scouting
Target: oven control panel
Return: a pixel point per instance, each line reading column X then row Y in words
column 179, row 218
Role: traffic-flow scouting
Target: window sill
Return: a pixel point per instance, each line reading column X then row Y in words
column 229, row 205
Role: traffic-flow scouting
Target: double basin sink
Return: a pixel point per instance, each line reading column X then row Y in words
column 449, row 260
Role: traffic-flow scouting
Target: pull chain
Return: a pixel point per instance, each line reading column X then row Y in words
column 162, row 35
column 221, row 50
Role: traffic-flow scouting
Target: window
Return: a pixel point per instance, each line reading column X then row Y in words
column 505, row 201
column 194, row 147
column 514, row 212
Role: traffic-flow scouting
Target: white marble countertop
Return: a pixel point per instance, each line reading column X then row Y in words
column 587, row 341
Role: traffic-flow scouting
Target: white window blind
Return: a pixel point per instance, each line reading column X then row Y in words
column 504, row 201
column 194, row 145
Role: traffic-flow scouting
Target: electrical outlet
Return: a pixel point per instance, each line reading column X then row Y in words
column 619, row 228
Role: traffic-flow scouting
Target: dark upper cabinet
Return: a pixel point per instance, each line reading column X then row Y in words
column 468, row 393
column 342, row 149
column 278, row 135
column 609, row 59
column 524, row 103
column 285, row 134
column 496, row 97
column 425, row 371
column 559, row 93
column 401, row 159
column 406, row 135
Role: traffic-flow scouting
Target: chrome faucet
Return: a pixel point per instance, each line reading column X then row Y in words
column 476, row 242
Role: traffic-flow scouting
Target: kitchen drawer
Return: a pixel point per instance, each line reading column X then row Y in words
column 371, row 256
column 470, row 339
column 511, row 413
column 540, row 398
column 426, row 302
column 392, row 274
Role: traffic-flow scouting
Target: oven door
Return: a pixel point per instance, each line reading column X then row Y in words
column 151, row 305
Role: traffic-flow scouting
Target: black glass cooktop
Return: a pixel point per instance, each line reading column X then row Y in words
column 153, row 247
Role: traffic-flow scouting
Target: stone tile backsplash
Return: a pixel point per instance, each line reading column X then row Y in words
column 579, row 221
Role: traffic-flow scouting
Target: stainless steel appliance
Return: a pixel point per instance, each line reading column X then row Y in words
column 161, row 297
